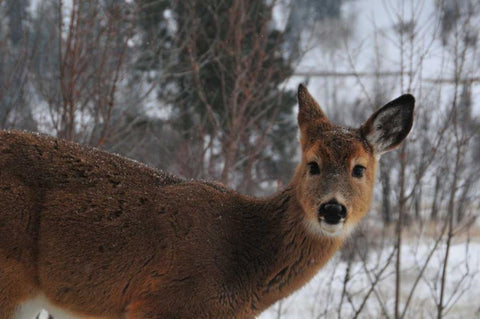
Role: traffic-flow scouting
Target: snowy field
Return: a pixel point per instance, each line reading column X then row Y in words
column 321, row 297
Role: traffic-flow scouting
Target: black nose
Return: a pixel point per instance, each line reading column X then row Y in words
column 332, row 212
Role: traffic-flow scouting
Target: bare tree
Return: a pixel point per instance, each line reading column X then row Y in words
column 80, row 83
column 16, row 49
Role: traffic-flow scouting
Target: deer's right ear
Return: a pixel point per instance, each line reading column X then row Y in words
column 389, row 125
column 310, row 115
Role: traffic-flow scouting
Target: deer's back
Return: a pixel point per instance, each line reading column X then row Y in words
column 102, row 232
column 97, row 229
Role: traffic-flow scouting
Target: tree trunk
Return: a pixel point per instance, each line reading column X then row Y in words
column 418, row 202
column 229, row 157
column 434, row 212
column 386, row 190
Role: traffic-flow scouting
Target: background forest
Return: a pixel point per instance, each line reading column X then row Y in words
column 207, row 89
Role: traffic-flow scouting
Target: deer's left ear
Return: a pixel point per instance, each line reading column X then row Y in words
column 389, row 125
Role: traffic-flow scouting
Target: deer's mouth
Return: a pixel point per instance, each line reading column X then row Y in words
column 332, row 229
column 337, row 222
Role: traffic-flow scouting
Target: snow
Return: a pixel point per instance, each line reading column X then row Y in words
column 321, row 297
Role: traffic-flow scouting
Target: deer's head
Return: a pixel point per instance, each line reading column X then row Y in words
column 336, row 175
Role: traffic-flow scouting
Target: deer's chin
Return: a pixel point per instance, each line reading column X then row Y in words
column 324, row 229
column 333, row 230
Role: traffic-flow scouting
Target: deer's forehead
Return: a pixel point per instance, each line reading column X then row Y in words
column 340, row 146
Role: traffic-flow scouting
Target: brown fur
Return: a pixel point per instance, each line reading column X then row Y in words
column 100, row 235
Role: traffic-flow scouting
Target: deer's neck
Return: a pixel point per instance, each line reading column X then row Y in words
column 290, row 254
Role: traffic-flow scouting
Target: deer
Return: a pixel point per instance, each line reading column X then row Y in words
column 88, row 234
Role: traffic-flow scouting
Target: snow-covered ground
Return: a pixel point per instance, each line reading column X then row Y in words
column 321, row 297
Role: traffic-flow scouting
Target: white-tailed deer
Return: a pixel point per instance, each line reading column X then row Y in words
column 87, row 234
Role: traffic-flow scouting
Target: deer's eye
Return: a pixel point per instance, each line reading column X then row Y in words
column 358, row 171
column 313, row 168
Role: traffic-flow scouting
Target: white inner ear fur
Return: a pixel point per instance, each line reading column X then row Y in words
column 380, row 139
